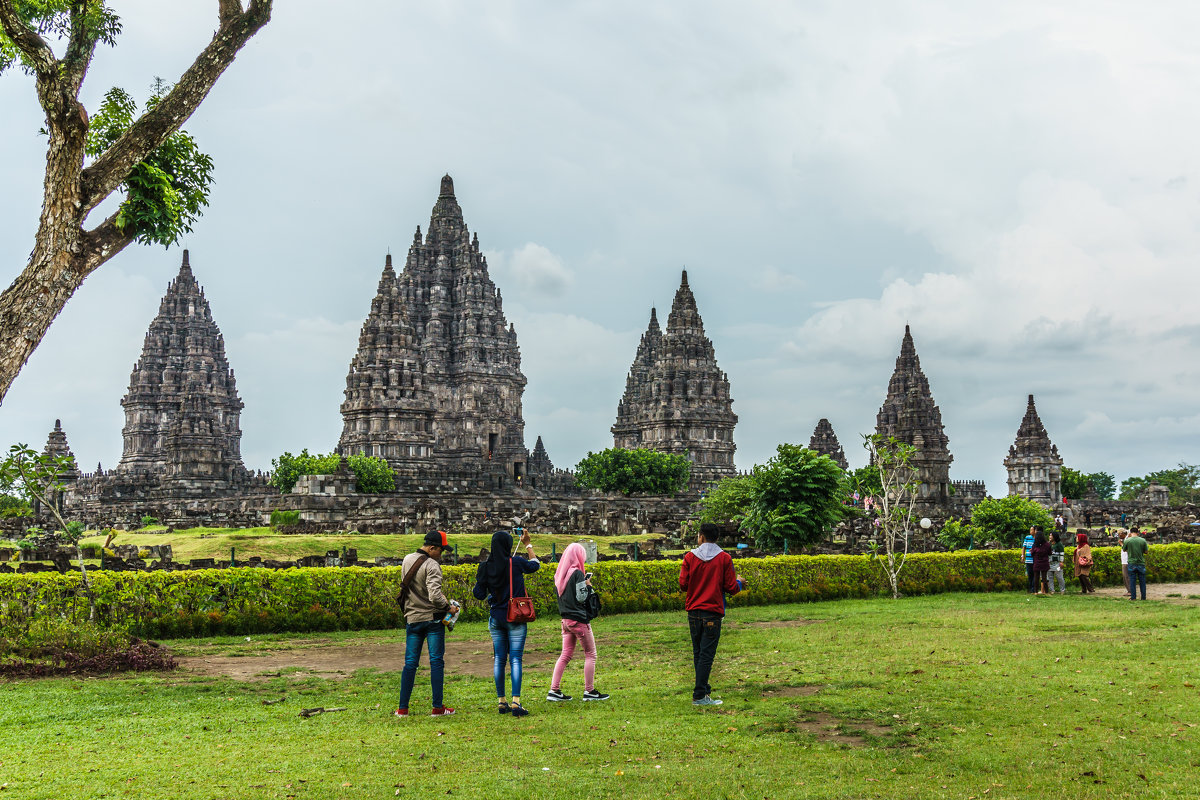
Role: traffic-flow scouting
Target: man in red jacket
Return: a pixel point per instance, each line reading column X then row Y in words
column 707, row 576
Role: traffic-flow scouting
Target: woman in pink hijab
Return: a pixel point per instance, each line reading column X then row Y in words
column 574, row 586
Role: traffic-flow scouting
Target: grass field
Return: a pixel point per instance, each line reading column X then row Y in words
column 266, row 543
column 950, row 696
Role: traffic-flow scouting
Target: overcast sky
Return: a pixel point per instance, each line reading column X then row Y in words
column 1018, row 181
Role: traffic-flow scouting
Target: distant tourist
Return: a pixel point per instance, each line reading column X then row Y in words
column 574, row 587
column 1027, row 555
column 1057, row 557
column 1082, row 558
column 707, row 575
column 1121, row 535
column 424, row 606
column 1041, row 558
column 498, row 579
column 1060, row 524
column 1135, row 546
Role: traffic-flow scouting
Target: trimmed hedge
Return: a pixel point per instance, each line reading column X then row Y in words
column 255, row 600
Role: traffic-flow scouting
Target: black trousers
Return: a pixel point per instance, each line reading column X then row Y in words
column 1030, row 579
column 705, row 628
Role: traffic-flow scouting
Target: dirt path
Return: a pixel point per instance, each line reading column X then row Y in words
column 1160, row 591
column 340, row 661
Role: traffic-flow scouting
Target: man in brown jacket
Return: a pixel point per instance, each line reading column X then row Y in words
column 424, row 607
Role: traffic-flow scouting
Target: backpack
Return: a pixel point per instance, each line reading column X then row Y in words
column 592, row 604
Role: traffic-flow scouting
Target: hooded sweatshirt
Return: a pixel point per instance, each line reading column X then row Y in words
column 707, row 576
column 570, row 581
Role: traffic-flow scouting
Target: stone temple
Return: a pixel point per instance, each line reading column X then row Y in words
column 676, row 397
column 910, row 415
column 1033, row 463
column 436, row 382
column 182, row 434
column 825, row 441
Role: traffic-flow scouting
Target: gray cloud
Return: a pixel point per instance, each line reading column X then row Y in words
column 1017, row 183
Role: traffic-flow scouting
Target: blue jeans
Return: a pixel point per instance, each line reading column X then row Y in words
column 1137, row 577
column 418, row 632
column 508, row 644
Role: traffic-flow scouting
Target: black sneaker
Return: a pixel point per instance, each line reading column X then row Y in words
column 555, row 696
column 592, row 694
column 518, row 710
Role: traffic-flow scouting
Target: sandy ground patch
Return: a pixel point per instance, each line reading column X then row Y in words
column 1159, row 591
column 463, row 656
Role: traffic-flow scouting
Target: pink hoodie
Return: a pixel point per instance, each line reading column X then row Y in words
column 573, row 558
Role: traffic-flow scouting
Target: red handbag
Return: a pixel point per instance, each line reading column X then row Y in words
column 520, row 609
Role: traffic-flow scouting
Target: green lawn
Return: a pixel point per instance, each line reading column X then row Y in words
column 266, row 543
column 954, row 696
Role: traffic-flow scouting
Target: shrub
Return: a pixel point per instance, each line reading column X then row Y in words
column 1006, row 520
column 280, row 518
column 373, row 474
column 11, row 506
column 147, row 521
column 796, row 497
column 247, row 600
column 633, row 471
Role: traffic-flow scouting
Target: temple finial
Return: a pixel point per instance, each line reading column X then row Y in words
column 447, row 186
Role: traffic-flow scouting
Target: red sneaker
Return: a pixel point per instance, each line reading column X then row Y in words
column 444, row 711
column 402, row 713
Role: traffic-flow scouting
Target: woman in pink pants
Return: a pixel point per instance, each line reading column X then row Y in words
column 574, row 586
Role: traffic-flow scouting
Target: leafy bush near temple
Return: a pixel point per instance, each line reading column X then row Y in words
column 1074, row 483
column 796, row 497
column 248, row 600
column 372, row 473
column 1006, row 520
column 1183, row 482
column 11, row 506
column 147, row 521
column 727, row 501
column 633, row 471
column 280, row 518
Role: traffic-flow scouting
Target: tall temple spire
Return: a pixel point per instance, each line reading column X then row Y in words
column 1033, row 463
column 388, row 410
column 56, row 445
column 437, row 347
column 676, row 397
column 539, row 462
column 183, row 354
column 910, row 415
column 825, row 441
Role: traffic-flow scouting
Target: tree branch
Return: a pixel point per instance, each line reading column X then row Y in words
column 81, row 47
column 102, row 243
column 229, row 10
column 27, row 40
column 152, row 128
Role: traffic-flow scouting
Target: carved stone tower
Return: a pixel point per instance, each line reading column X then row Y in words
column 825, row 441
column 56, row 445
column 633, row 408
column 1033, row 463
column 539, row 462
column 388, row 411
column 472, row 365
column 676, row 397
column 910, row 415
column 182, row 393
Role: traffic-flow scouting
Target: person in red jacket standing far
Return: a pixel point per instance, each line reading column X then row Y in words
column 707, row 576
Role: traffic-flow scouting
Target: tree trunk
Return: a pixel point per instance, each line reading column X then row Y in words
column 55, row 268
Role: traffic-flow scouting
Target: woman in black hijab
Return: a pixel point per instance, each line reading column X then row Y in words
column 497, row 579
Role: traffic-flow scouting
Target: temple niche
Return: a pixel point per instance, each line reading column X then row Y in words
column 676, row 397
column 1033, row 463
column 437, row 377
column 910, row 415
column 825, row 441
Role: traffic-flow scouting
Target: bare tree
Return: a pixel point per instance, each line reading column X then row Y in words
column 897, row 498
column 65, row 252
column 38, row 476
